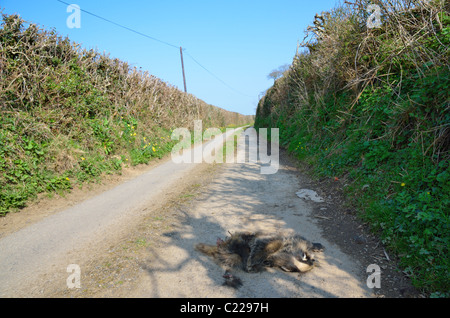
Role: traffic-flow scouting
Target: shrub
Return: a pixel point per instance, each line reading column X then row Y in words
column 370, row 106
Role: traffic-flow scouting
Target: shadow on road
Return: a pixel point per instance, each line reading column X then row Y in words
column 243, row 199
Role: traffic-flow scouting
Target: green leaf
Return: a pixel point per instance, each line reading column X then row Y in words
column 442, row 177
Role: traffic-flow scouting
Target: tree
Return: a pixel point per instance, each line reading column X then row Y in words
column 277, row 73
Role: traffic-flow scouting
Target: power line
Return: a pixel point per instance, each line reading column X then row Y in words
column 122, row 26
column 212, row 74
column 158, row 40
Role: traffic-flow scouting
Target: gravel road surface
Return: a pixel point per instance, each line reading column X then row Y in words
column 137, row 239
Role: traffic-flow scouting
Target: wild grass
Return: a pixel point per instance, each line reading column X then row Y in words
column 70, row 115
column 370, row 106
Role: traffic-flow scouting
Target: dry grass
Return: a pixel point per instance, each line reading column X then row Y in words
column 40, row 71
column 370, row 106
column 70, row 114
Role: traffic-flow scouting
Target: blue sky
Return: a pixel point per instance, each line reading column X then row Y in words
column 240, row 42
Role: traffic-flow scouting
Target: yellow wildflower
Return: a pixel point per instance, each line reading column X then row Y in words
column 403, row 184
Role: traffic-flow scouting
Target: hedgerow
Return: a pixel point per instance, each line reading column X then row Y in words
column 370, row 106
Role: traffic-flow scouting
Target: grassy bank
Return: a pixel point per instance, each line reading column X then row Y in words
column 70, row 115
column 370, row 107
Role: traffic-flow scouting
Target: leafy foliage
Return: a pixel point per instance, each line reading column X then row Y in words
column 371, row 107
column 69, row 115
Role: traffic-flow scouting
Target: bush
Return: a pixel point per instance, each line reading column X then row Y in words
column 370, row 106
column 69, row 115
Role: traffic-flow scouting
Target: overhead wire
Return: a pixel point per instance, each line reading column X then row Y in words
column 212, row 74
column 158, row 40
column 122, row 26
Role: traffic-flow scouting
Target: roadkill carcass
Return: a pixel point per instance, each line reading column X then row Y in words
column 253, row 252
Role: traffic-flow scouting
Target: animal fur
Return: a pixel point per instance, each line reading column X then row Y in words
column 253, row 252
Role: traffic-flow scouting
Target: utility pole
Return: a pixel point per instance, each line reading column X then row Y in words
column 182, row 67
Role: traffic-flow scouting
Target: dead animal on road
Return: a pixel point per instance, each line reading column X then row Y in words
column 253, row 252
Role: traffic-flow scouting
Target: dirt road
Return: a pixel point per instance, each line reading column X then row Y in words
column 140, row 243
